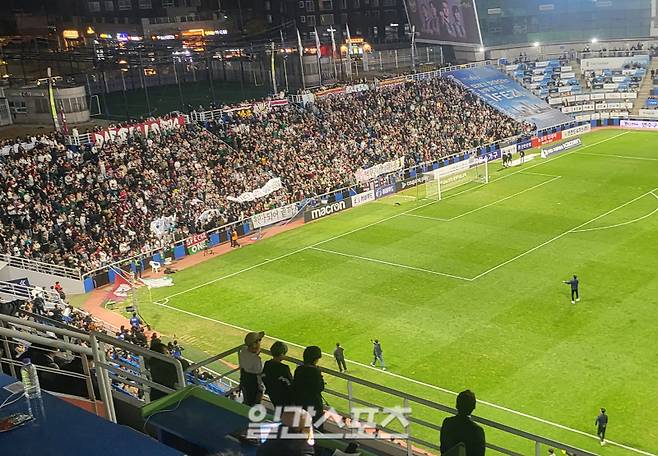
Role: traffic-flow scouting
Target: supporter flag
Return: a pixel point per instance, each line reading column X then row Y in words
column 333, row 51
column 300, row 49
column 166, row 281
column 121, row 288
column 349, row 48
column 318, row 52
column 51, row 101
column 273, row 71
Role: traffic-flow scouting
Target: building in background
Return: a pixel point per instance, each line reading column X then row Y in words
column 377, row 21
column 74, row 21
column 563, row 21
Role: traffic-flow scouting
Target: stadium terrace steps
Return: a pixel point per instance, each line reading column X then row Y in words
column 508, row 96
column 3, row 264
column 645, row 89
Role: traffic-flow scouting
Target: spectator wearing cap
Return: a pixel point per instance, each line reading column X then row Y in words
column 461, row 428
column 308, row 384
column 277, row 376
column 251, row 368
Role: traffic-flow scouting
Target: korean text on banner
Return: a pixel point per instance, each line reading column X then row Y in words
column 365, row 175
column 274, row 216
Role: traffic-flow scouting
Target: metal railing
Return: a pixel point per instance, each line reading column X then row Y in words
column 28, row 292
column 93, row 350
column 430, row 424
column 39, row 266
column 346, row 389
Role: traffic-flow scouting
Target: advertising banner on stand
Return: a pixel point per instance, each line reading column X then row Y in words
column 363, row 198
column 196, row 243
column 144, row 128
column 318, row 212
column 274, row 216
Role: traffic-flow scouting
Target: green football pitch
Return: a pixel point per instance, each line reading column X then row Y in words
column 468, row 292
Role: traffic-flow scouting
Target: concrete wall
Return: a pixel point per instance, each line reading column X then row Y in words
column 41, row 279
column 36, row 110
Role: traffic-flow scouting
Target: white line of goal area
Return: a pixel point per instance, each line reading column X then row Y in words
column 411, row 380
column 554, row 178
column 385, row 219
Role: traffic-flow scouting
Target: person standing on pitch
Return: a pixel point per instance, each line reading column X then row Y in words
column 377, row 353
column 339, row 354
column 574, row 288
column 601, row 425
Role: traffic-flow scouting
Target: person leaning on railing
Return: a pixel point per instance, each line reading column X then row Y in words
column 251, row 368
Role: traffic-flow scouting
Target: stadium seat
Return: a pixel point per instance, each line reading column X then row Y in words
column 155, row 265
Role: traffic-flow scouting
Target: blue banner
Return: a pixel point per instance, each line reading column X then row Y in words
column 509, row 97
column 524, row 145
column 381, row 192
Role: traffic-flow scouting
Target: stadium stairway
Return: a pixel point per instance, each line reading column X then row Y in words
column 645, row 89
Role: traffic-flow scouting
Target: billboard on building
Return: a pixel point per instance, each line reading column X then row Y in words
column 445, row 21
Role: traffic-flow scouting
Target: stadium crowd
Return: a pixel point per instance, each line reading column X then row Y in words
column 87, row 207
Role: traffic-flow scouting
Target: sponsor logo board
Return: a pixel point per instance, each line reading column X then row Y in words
column 326, row 209
column 386, row 190
column 576, row 131
column 561, row 147
column 642, row 124
column 546, row 139
column 363, row 198
column 410, row 182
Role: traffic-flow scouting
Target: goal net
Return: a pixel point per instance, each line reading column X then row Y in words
column 439, row 181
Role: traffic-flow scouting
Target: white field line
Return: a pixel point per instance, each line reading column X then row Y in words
column 427, row 217
column 385, row 219
column 598, row 228
column 487, row 205
column 625, row 157
column 561, row 235
column 411, row 380
column 388, row 263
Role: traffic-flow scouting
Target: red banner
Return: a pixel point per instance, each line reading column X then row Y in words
column 548, row 139
column 144, row 128
column 196, row 243
column 327, row 92
column 392, row 82
column 120, row 290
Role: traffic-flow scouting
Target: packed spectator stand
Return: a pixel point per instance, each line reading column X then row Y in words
column 85, row 207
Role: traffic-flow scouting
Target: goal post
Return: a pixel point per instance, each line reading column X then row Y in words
column 439, row 181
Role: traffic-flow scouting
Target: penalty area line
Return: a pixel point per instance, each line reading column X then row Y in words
column 561, row 235
column 410, row 380
column 617, row 225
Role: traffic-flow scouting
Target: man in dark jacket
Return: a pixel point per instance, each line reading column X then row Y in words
column 339, row 354
column 276, row 376
column 308, row 384
column 461, row 429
